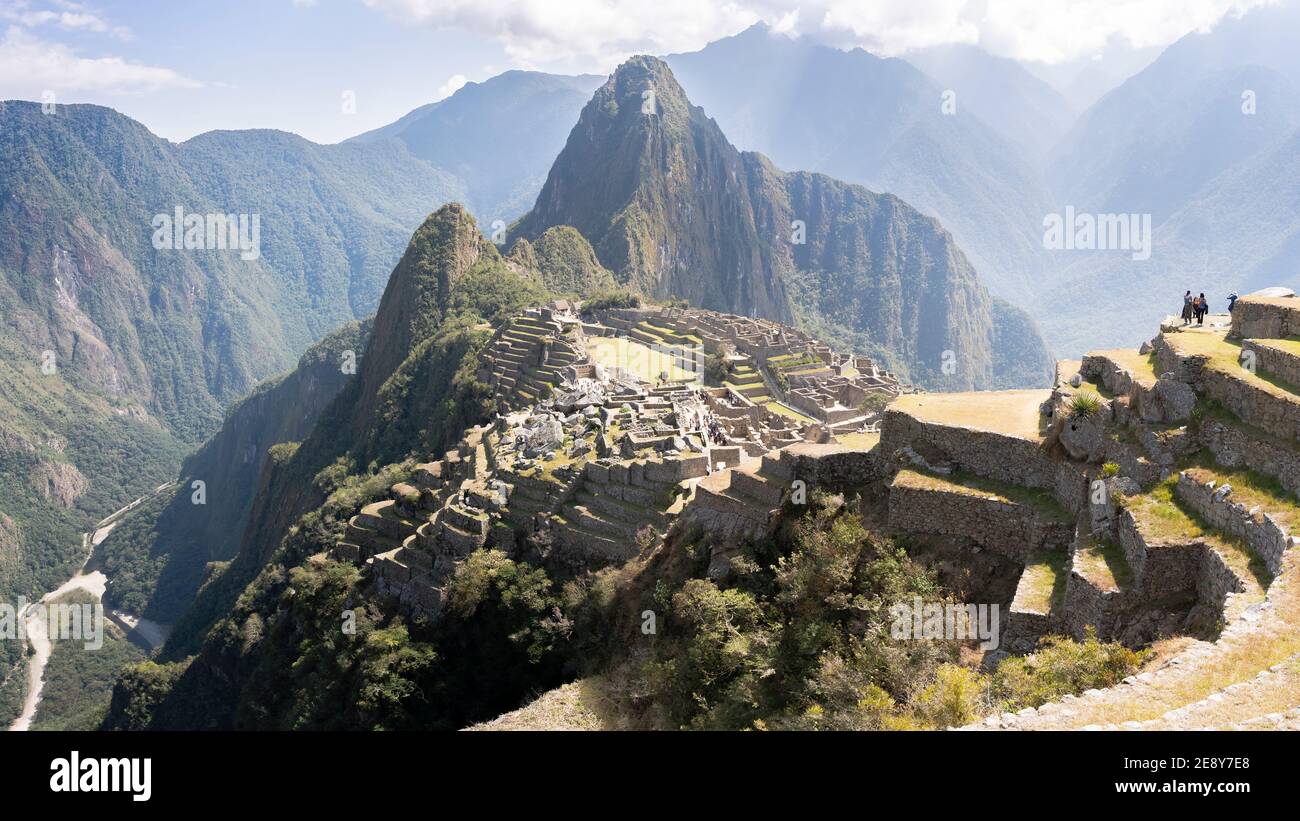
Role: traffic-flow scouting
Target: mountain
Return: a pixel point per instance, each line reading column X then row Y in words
column 1022, row 108
column 1203, row 141
column 120, row 355
column 188, row 332
column 498, row 137
column 159, row 556
column 881, row 123
column 1084, row 80
column 414, row 393
column 567, row 262
column 675, row 211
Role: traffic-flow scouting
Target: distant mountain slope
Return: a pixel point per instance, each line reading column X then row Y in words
column 878, row 122
column 117, row 356
column 185, row 332
column 676, row 211
column 158, row 556
column 498, row 137
column 1022, row 108
column 1221, row 185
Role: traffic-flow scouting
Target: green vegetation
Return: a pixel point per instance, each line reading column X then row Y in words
column 566, row 261
column 79, row 681
column 1062, row 666
column 801, row 639
column 616, row 298
column 1084, row 404
column 875, row 402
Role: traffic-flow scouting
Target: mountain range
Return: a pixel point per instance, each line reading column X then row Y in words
column 901, row 230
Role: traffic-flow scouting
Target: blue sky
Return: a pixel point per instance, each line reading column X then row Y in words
column 245, row 64
column 184, row 67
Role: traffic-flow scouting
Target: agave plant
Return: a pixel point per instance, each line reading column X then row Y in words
column 1084, row 404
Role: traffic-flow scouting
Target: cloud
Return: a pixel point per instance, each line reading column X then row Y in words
column 597, row 34
column 30, row 65
column 454, row 83
column 62, row 13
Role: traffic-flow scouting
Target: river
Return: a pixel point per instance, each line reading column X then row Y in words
column 146, row 633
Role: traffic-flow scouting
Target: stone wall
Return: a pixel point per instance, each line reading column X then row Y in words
column 830, row 467
column 1234, row 448
column 1087, row 605
column 1271, row 360
column 1261, row 533
column 1165, row 570
column 1007, row 528
column 995, row 456
column 1261, row 319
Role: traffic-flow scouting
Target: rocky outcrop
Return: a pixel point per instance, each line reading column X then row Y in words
column 59, row 482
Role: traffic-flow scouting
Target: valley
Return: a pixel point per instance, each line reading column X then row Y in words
column 769, row 378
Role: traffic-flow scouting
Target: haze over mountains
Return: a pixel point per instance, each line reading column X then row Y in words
column 662, row 195
column 923, row 235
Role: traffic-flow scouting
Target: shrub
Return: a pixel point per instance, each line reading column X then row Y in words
column 1063, row 666
column 1109, row 469
column 621, row 298
column 1084, row 404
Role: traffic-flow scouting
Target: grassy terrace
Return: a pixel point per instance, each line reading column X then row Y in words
column 1224, row 355
column 1103, row 564
column 794, row 362
column 1251, row 489
column 641, row 360
column 781, row 410
column 858, row 441
column 1011, row 413
column 668, row 333
column 1142, row 367
column 1040, row 501
column 1042, row 586
column 1290, row 345
column 1160, row 517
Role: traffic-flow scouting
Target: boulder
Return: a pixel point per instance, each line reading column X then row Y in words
column 1084, row 437
column 1176, row 399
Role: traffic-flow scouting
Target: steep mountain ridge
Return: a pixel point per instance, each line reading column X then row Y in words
column 675, row 211
column 498, row 137
column 879, row 122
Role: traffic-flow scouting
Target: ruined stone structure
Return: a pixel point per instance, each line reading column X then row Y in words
column 1148, row 494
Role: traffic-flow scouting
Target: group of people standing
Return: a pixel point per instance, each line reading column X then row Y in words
column 1194, row 307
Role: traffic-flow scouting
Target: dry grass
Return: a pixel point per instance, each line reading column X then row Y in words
column 1012, row 413
column 859, row 441
column 578, row 705
column 1141, row 366
column 641, row 360
column 1103, row 563
column 1042, row 586
column 1224, row 355
column 1039, row 501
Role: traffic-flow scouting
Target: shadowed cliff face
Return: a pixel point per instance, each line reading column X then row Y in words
column 674, row 210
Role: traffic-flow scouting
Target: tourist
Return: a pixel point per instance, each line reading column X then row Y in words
column 1232, row 300
column 1187, row 308
column 1202, row 308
